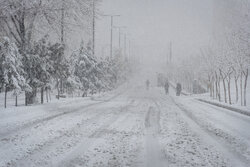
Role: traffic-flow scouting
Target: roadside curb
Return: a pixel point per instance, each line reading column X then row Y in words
column 244, row 112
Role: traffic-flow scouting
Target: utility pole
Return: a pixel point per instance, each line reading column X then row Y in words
column 129, row 50
column 62, row 22
column 59, row 79
column 120, row 28
column 170, row 53
column 125, row 45
column 93, row 28
column 111, row 33
column 126, row 40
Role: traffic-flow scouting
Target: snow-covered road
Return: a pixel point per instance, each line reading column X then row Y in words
column 133, row 128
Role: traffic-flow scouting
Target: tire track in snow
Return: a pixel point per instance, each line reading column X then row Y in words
column 76, row 156
column 4, row 135
column 36, row 148
column 64, row 139
column 115, row 146
column 182, row 146
column 154, row 156
column 211, row 135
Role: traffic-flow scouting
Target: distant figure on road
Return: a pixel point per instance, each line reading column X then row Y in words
column 178, row 89
column 166, row 87
column 147, row 84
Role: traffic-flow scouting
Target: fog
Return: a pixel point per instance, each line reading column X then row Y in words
column 174, row 91
column 153, row 24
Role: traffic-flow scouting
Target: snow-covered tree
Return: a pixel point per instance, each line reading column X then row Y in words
column 11, row 69
column 60, row 66
column 232, row 29
column 85, row 69
column 44, row 68
column 20, row 19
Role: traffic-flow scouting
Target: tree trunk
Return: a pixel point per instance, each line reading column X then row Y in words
column 85, row 93
column 26, row 101
column 209, row 85
column 31, row 97
column 219, row 94
column 216, row 85
column 47, row 98
column 49, row 95
column 229, row 90
column 237, row 89
column 16, row 102
column 42, row 90
column 216, row 88
column 225, row 90
column 241, row 95
column 5, row 97
column 210, row 88
column 245, row 88
column 58, row 91
column 61, row 86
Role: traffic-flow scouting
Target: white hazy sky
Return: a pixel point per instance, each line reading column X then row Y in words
column 152, row 24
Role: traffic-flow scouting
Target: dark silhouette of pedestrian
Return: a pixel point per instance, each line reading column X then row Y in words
column 166, row 87
column 178, row 89
column 147, row 84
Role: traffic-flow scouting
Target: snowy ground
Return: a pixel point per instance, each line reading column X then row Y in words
column 131, row 128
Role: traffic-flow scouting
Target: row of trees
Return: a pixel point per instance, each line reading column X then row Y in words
column 224, row 65
column 36, row 52
column 221, row 69
column 46, row 68
column 228, row 59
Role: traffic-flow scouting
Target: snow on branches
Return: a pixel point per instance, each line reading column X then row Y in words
column 12, row 75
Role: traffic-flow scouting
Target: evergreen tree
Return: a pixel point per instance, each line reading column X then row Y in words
column 12, row 73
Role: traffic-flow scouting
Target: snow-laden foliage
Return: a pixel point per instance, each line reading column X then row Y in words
column 44, row 63
column 44, row 67
column 36, row 64
column 12, row 75
column 23, row 19
column 226, row 59
column 97, row 75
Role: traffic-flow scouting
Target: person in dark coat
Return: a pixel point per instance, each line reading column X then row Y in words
column 166, row 86
column 147, row 84
column 178, row 89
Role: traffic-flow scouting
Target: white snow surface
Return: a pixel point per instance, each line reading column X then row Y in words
column 129, row 127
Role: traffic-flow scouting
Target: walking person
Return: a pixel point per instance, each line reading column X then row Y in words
column 166, row 87
column 147, row 84
column 178, row 89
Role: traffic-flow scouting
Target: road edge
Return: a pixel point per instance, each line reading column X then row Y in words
column 237, row 110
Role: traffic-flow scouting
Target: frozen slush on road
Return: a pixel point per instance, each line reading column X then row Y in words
column 136, row 128
column 124, row 83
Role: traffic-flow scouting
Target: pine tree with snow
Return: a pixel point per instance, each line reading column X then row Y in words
column 86, row 70
column 45, row 67
column 12, row 73
column 61, row 66
column 73, row 82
